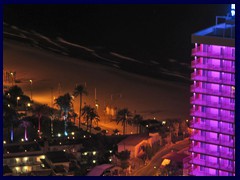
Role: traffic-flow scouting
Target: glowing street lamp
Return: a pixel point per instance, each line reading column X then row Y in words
column 18, row 98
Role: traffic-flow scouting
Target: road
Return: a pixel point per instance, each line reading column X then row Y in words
column 149, row 169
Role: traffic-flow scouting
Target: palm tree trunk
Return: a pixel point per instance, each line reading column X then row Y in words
column 80, row 110
column 39, row 126
column 11, row 133
column 65, row 122
column 124, row 125
column 25, row 134
column 90, row 126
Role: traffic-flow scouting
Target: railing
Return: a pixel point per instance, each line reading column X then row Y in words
column 226, row 81
column 197, row 89
column 213, row 67
column 228, row 106
column 198, row 52
column 228, row 131
column 212, row 153
column 196, row 172
column 221, row 166
column 212, row 140
column 212, row 116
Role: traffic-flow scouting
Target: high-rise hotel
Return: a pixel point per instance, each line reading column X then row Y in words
column 212, row 145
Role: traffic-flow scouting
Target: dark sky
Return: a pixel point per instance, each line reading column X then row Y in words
column 147, row 32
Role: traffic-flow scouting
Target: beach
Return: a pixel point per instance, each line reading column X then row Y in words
column 55, row 74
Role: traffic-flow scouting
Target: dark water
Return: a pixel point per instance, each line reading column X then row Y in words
column 157, row 35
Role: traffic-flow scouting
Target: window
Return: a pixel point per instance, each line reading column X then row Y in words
column 202, row 156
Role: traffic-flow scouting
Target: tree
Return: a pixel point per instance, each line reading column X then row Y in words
column 90, row 114
column 137, row 119
column 124, row 157
column 9, row 116
column 25, row 124
column 123, row 116
column 79, row 91
column 39, row 111
column 115, row 131
column 65, row 104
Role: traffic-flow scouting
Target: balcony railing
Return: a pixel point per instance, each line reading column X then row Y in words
column 213, row 141
column 195, row 88
column 221, row 166
column 225, row 81
column 213, row 67
column 201, row 126
column 228, row 106
column 212, row 153
column 198, row 52
column 212, row 116
column 196, row 172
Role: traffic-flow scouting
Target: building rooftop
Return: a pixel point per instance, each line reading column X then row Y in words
column 57, row 156
column 23, row 147
column 220, row 34
column 99, row 170
column 134, row 139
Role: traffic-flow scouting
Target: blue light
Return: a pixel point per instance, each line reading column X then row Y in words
column 65, row 133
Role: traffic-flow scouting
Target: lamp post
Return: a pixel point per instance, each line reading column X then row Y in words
column 31, row 87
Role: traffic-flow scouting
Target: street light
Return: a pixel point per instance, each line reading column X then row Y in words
column 18, row 98
column 31, row 87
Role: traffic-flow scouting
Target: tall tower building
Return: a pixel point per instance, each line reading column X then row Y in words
column 213, row 100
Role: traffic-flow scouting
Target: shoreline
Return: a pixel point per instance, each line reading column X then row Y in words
column 143, row 94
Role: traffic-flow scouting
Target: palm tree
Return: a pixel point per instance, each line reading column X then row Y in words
column 123, row 116
column 115, row 131
column 9, row 118
column 39, row 111
column 25, row 124
column 137, row 119
column 90, row 114
column 80, row 90
column 65, row 104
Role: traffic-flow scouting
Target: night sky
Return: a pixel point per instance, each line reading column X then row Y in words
column 145, row 32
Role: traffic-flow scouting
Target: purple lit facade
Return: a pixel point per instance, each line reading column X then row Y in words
column 213, row 100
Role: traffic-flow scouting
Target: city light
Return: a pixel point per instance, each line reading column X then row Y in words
column 59, row 135
column 94, row 161
column 233, row 9
column 94, row 153
column 72, row 133
column 4, row 142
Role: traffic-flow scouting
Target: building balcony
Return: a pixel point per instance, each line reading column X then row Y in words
column 209, row 152
column 205, row 127
column 216, row 80
column 196, row 89
column 206, row 163
column 224, row 118
column 209, row 140
column 227, row 106
column 199, row 53
column 197, row 172
column 226, row 69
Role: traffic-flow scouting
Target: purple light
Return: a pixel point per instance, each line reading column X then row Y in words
column 213, row 84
